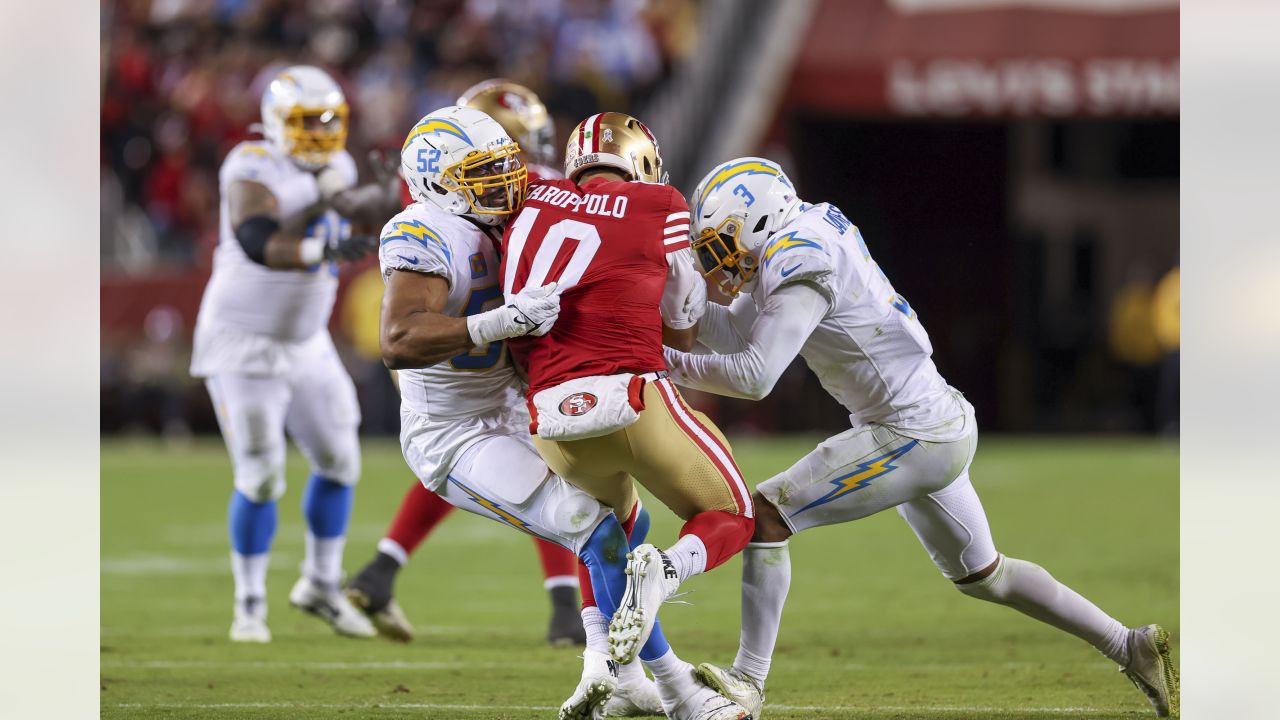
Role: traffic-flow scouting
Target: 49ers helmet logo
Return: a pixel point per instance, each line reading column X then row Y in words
column 578, row 404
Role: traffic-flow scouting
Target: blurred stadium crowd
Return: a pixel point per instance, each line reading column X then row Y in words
column 182, row 78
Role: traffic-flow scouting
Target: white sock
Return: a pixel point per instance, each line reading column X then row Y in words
column 766, row 577
column 323, row 562
column 597, row 627
column 689, row 556
column 391, row 548
column 1031, row 590
column 674, row 677
column 250, row 573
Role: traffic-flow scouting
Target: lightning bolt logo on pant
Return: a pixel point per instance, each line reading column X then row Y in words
column 862, row 475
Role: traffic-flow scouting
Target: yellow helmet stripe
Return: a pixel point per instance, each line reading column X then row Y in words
column 727, row 173
column 436, row 126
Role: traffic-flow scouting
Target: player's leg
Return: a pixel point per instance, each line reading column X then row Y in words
column 852, row 475
column 503, row 478
column 372, row 589
column 952, row 526
column 324, row 419
column 251, row 411
column 560, row 578
column 685, row 462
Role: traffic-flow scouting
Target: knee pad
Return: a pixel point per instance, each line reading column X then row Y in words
column 260, row 481
column 342, row 465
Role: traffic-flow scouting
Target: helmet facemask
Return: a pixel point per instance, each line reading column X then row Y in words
column 723, row 257
column 312, row 135
column 492, row 181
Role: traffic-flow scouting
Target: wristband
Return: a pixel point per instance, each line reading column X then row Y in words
column 311, row 251
column 486, row 327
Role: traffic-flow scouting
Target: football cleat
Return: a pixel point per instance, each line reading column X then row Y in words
column 651, row 580
column 634, row 698
column 331, row 607
column 1151, row 669
column 250, row 622
column 707, row 704
column 734, row 685
column 389, row 620
column 371, row 590
column 599, row 680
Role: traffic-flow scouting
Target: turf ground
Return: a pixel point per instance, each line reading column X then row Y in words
column 870, row 630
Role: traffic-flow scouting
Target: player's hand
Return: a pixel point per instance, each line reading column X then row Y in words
column 534, row 310
column 349, row 249
column 330, row 182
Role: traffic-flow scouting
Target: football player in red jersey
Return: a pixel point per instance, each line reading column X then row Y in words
column 614, row 237
column 523, row 116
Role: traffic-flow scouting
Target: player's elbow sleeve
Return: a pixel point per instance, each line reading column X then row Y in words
column 253, row 234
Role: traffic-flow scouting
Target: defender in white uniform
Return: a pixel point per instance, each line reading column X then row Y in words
column 263, row 347
column 464, row 424
column 814, row 290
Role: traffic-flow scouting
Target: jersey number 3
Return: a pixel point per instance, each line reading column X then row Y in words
column 587, row 237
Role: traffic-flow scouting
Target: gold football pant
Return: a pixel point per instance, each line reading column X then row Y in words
column 675, row 452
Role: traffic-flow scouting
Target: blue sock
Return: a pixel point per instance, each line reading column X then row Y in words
column 250, row 524
column 327, row 506
column 605, row 556
column 640, row 530
column 656, row 646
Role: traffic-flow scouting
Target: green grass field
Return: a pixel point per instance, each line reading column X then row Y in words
column 871, row 630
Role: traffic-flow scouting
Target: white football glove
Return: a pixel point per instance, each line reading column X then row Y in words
column 532, row 311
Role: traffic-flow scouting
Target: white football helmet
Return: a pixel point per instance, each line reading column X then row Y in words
column 736, row 207
column 304, row 115
column 462, row 161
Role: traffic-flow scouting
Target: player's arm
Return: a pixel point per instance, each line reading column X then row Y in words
column 265, row 237
column 367, row 205
column 726, row 329
column 415, row 332
column 788, row 318
column 684, row 297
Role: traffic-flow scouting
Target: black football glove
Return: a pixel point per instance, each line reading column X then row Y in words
column 350, row 249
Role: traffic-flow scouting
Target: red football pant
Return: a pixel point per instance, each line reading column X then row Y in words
column 422, row 510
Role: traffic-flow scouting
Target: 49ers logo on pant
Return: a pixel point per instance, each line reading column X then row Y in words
column 578, row 404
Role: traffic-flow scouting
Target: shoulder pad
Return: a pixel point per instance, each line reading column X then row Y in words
column 251, row 160
column 414, row 240
column 796, row 256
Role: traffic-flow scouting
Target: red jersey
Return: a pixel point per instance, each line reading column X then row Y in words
column 605, row 242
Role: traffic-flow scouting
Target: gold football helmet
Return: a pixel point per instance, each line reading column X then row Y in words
column 615, row 140
column 519, row 111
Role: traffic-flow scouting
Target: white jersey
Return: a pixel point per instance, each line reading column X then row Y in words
column 869, row 351
column 425, row 239
column 246, row 297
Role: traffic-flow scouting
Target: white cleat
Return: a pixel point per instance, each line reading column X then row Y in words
column 707, row 704
column 248, row 629
column 249, row 624
column 635, row 698
column 331, row 606
column 1151, row 669
column 733, row 685
column 651, row 580
column 599, row 680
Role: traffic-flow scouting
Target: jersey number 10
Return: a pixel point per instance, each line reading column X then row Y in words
column 587, row 237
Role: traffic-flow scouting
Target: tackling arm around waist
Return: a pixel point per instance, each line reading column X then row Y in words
column 779, row 332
